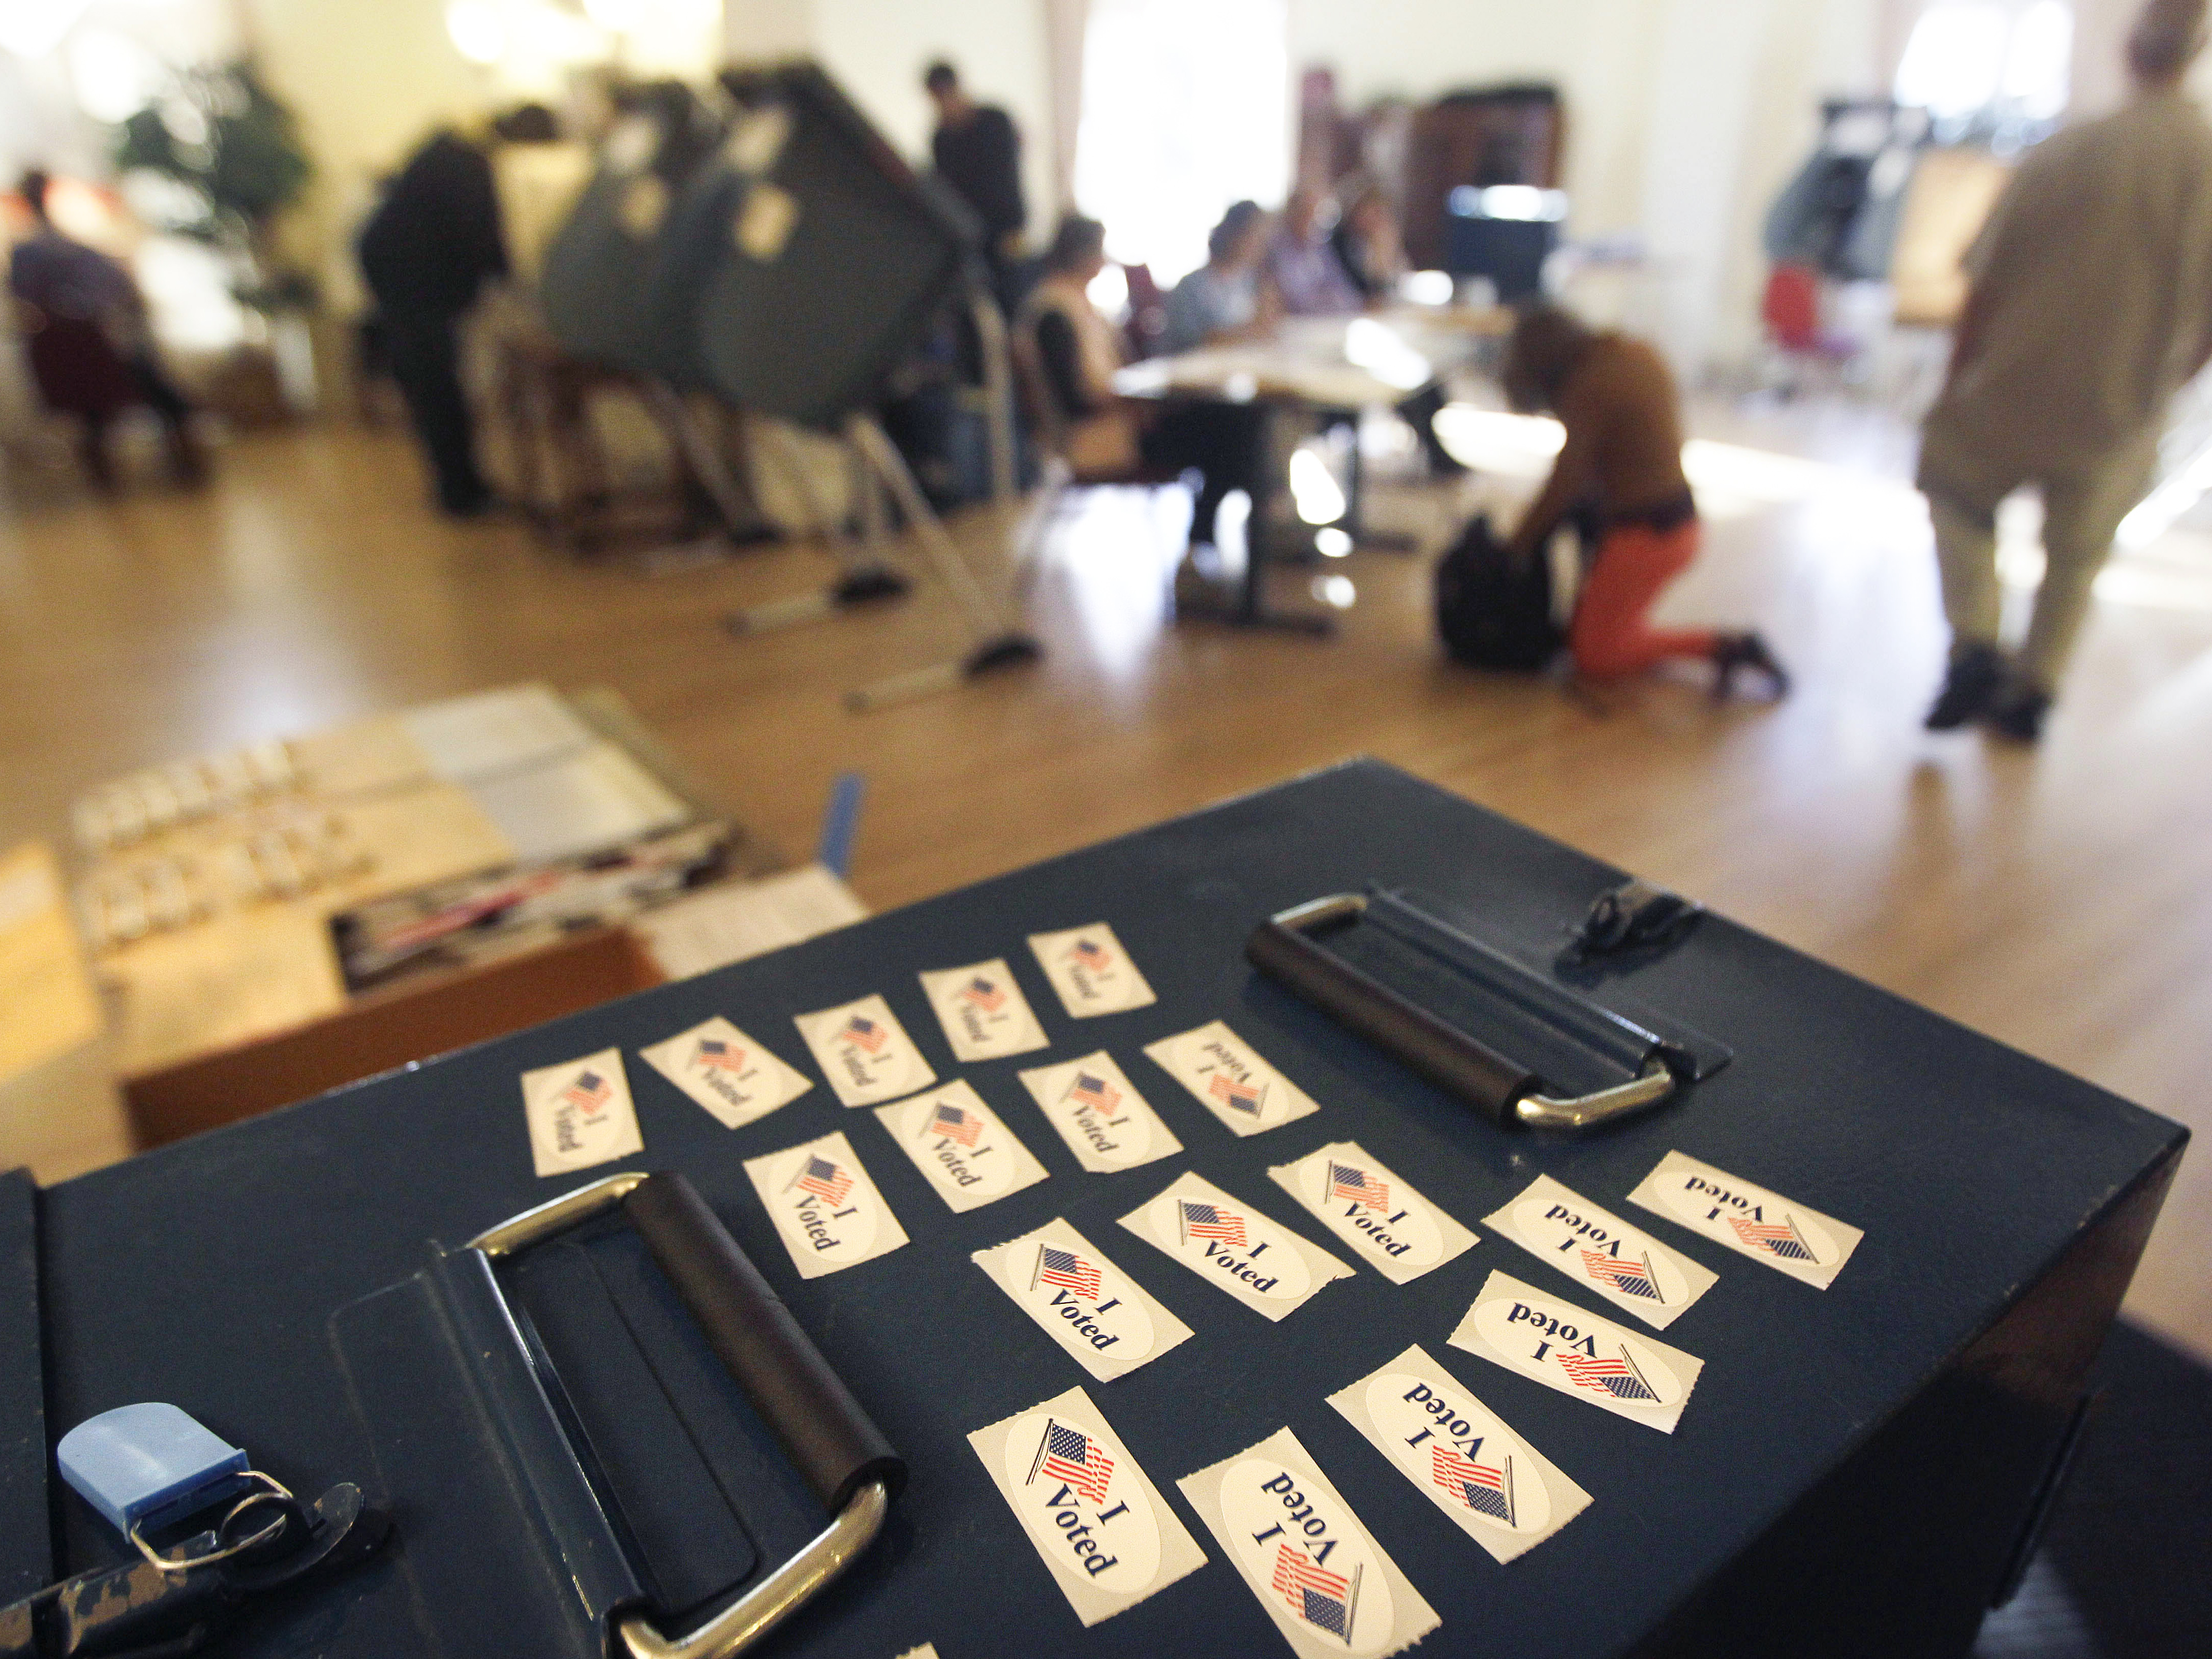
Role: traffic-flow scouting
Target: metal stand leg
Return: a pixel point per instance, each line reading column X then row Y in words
column 996, row 643
column 865, row 575
column 700, row 452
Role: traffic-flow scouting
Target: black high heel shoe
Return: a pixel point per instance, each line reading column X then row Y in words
column 1735, row 652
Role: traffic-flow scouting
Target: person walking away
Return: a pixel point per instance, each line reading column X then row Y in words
column 427, row 252
column 1623, row 452
column 2090, row 304
column 90, row 346
column 977, row 150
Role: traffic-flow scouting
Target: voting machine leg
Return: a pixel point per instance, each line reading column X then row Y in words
column 865, row 575
column 995, row 643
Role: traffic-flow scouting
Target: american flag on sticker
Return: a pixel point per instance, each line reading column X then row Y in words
column 954, row 1123
column 588, row 1092
column 1072, row 1456
column 1238, row 1096
column 1481, row 1488
column 1361, row 1188
column 984, row 994
column 1210, row 1221
column 1617, row 1377
column 1091, row 954
column 1628, row 1278
column 864, row 1033
column 1317, row 1595
column 824, row 1179
column 1094, row 1091
column 718, row 1056
column 1782, row 1239
column 1069, row 1271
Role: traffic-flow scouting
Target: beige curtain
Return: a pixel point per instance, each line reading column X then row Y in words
column 1066, row 22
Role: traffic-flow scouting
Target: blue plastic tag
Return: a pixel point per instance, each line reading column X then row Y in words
column 146, row 1460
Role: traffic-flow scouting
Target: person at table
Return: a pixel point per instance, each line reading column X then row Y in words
column 2090, row 307
column 1223, row 301
column 1103, row 436
column 90, row 345
column 977, row 150
column 1303, row 267
column 1623, row 453
column 1367, row 243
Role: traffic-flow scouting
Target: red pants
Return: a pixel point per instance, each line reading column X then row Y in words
column 1609, row 636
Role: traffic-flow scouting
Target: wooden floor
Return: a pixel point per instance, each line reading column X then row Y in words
column 2059, row 899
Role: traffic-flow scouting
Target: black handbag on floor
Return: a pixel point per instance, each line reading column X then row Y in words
column 1493, row 611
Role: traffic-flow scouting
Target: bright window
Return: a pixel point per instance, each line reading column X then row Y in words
column 1186, row 108
column 1968, row 56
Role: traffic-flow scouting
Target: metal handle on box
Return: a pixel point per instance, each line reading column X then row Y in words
column 1283, row 948
column 844, row 1456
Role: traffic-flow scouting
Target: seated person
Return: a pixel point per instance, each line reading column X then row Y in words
column 87, row 341
column 1302, row 268
column 1074, row 352
column 1367, row 244
column 1308, row 278
column 1624, row 448
column 1223, row 301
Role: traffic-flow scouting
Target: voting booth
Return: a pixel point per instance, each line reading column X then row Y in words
column 771, row 248
column 1044, row 1276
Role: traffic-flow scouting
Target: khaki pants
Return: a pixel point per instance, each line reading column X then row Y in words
column 2083, row 502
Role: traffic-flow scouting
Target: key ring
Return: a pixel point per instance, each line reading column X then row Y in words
column 275, row 1492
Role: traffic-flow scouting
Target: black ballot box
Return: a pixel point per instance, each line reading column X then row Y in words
column 1858, row 1469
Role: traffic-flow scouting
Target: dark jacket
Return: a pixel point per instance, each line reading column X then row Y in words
column 435, row 238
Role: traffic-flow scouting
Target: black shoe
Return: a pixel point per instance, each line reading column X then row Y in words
column 2019, row 714
column 1969, row 689
column 1734, row 652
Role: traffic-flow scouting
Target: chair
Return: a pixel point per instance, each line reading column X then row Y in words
column 1058, row 477
column 1148, row 314
column 1792, row 311
column 76, row 367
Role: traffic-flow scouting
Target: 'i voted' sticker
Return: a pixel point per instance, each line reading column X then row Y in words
column 1099, row 1114
column 1230, row 1080
column 1094, row 1310
column 1091, row 970
column 1495, row 1486
column 1267, row 1267
column 1329, row 1587
column 983, row 1011
column 1789, row 1238
column 826, row 1210
column 1392, row 1227
column 1603, row 1253
column 1578, row 1353
column 864, row 1052
column 734, row 1078
column 579, row 1114
column 1093, row 1516
column 961, row 1146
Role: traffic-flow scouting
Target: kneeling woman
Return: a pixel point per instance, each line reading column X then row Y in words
column 1623, row 454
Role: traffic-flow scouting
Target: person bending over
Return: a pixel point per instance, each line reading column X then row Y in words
column 85, row 318
column 433, row 242
column 1103, row 436
column 1624, row 450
